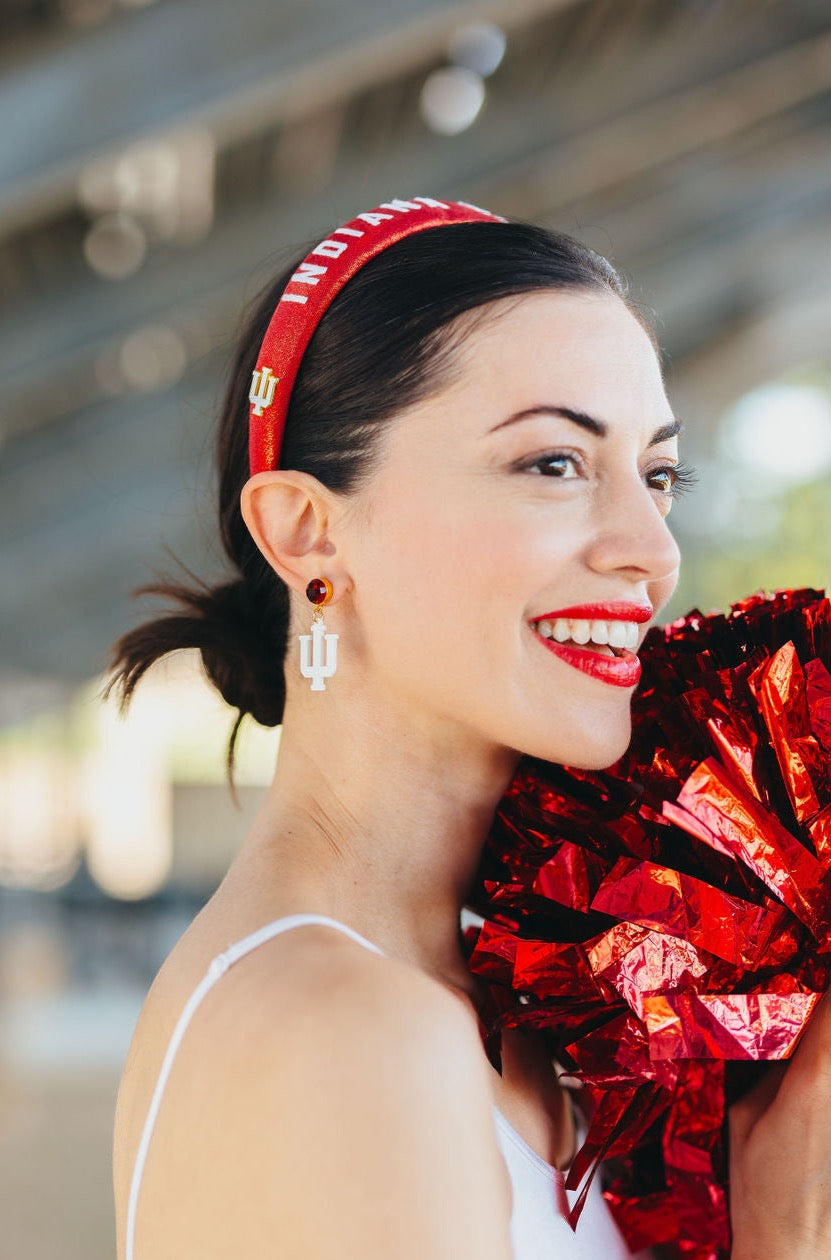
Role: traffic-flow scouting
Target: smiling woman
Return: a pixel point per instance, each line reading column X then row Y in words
column 446, row 441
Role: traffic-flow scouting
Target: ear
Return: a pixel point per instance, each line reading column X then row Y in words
column 289, row 516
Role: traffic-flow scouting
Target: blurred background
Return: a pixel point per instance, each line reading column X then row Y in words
column 158, row 161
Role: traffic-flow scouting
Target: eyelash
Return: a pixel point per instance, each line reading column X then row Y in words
column 683, row 475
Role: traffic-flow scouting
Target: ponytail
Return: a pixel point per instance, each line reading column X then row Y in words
column 240, row 626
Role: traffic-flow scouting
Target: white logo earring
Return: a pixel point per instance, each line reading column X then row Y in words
column 320, row 646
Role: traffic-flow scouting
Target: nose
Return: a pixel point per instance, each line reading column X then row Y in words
column 633, row 536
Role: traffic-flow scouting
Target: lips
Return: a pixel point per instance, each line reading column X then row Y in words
column 618, row 665
column 616, row 611
column 619, row 671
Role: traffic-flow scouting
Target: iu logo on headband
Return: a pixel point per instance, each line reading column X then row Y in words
column 261, row 393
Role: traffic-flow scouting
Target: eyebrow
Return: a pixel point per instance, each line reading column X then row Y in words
column 590, row 423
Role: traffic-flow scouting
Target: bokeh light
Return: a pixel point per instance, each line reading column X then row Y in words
column 451, row 99
column 781, row 433
column 153, row 357
column 115, row 246
column 478, row 46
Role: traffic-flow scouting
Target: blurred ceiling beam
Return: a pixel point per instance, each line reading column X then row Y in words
column 48, row 375
column 789, row 333
column 635, row 142
column 287, row 69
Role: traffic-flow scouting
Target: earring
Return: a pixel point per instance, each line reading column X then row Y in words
column 321, row 647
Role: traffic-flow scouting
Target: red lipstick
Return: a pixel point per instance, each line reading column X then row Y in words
column 622, row 670
column 618, row 611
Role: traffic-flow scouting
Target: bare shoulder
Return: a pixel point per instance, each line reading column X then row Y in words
column 325, row 1100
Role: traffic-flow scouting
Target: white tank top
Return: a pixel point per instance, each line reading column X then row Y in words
column 538, row 1227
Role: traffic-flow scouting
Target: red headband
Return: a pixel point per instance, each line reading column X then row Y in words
column 307, row 296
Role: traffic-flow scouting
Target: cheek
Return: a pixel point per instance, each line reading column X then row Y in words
column 661, row 592
column 473, row 561
column 448, row 583
column 406, row 569
column 435, row 573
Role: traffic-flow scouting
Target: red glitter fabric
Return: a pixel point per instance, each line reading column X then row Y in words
column 310, row 292
column 667, row 923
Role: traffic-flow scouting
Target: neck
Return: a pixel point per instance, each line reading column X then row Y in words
column 378, row 819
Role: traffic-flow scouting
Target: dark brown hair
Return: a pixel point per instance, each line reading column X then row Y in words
column 385, row 343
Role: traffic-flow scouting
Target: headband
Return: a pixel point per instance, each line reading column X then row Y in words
column 308, row 295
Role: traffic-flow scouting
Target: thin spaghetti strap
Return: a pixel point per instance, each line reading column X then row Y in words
column 216, row 968
column 235, row 951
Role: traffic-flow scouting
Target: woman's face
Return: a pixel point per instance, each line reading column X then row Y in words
column 526, row 500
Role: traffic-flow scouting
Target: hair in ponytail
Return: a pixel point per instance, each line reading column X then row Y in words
column 385, row 343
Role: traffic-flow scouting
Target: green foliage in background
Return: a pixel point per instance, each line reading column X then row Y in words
column 784, row 541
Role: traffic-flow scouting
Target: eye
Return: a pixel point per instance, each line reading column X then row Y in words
column 662, row 479
column 672, row 479
column 557, row 464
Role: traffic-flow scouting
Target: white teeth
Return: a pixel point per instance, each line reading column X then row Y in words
column 617, row 634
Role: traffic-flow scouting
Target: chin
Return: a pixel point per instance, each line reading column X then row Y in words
column 590, row 749
column 602, row 761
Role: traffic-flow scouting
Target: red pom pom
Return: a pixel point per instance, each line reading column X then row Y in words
column 667, row 923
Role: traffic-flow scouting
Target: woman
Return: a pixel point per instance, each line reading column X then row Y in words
column 446, row 438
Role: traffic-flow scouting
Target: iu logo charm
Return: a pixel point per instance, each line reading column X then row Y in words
column 324, row 653
column 261, row 393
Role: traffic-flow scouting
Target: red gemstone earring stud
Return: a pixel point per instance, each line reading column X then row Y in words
column 319, row 591
column 318, row 650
